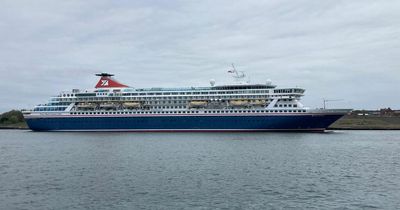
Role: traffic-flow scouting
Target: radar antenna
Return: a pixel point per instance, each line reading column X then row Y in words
column 238, row 75
column 104, row 74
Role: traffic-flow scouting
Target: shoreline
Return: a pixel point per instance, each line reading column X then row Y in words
column 347, row 122
column 363, row 129
column 328, row 129
column 13, row 128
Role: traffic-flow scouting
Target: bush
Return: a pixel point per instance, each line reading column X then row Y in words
column 11, row 117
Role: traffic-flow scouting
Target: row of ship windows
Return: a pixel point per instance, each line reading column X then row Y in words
column 159, row 107
column 197, row 93
column 285, row 105
column 172, row 93
column 163, row 107
column 177, row 102
column 172, row 97
column 288, row 90
column 49, row 109
column 193, row 112
column 113, row 95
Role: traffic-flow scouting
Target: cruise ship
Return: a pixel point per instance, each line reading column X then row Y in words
column 239, row 106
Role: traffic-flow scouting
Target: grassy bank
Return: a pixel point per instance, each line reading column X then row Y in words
column 370, row 122
column 12, row 120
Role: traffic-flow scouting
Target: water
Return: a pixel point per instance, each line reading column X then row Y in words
column 340, row 170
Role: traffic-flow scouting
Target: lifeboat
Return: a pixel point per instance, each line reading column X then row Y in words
column 109, row 105
column 198, row 104
column 86, row 105
column 131, row 105
column 239, row 102
column 258, row 102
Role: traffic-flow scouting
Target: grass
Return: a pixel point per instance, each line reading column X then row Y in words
column 14, row 119
column 367, row 122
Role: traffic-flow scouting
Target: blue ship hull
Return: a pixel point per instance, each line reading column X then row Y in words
column 295, row 122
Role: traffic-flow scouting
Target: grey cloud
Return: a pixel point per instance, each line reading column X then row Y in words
column 334, row 49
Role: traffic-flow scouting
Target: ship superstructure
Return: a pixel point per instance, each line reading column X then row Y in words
column 114, row 106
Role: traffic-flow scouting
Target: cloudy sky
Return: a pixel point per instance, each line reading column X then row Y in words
column 334, row 49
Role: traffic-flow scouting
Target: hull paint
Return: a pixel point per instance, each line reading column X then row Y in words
column 299, row 122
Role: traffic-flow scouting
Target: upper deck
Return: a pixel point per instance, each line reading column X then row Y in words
column 111, row 94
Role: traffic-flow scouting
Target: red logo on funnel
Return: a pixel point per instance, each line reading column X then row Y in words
column 107, row 82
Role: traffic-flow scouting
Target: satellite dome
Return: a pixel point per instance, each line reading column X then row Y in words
column 212, row 82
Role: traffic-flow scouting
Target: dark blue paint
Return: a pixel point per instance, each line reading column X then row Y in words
column 271, row 122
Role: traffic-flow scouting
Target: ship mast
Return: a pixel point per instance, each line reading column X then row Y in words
column 239, row 75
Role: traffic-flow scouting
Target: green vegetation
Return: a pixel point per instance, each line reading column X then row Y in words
column 356, row 121
column 12, row 119
column 367, row 122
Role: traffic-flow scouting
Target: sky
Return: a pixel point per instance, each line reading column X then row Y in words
column 347, row 50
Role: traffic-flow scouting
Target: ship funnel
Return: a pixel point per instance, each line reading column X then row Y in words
column 106, row 81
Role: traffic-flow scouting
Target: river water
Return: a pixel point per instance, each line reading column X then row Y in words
column 335, row 170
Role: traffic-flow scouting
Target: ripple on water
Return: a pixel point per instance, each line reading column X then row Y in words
column 346, row 170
